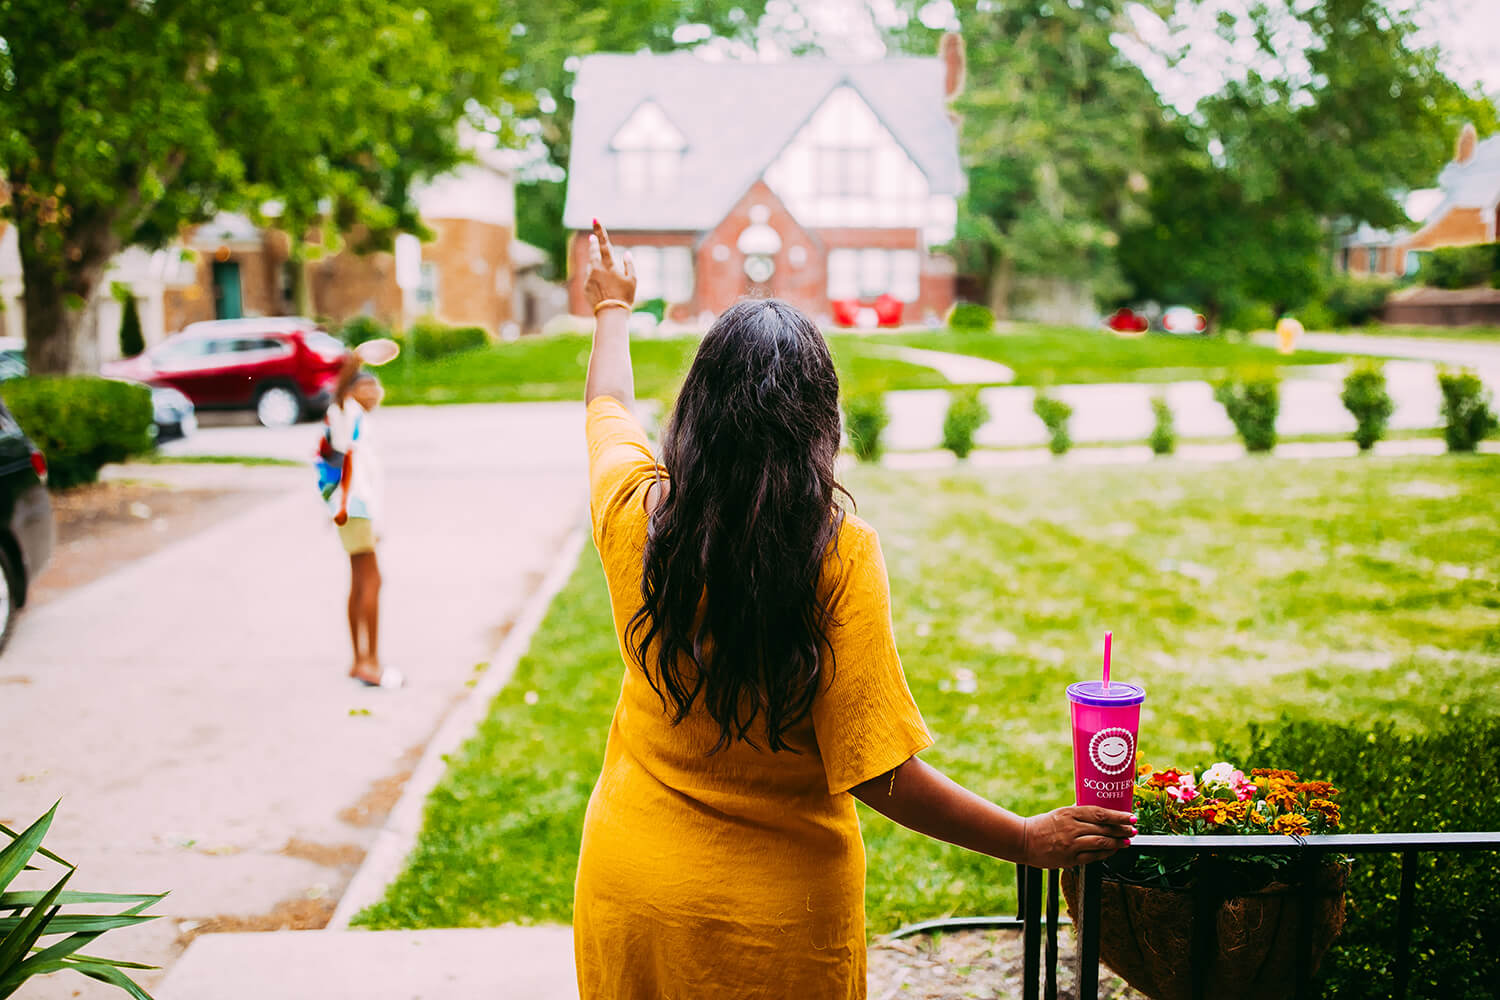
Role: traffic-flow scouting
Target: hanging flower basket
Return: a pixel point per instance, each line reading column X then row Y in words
column 1253, row 905
column 1146, row 936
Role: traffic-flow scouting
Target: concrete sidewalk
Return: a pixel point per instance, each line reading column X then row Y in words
column 505, row 963
column 1119, row 413
column 191, row 710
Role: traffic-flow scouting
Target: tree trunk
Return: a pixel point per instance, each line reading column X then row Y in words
column 302, row 303
column 59, row 294
column 1002, row 282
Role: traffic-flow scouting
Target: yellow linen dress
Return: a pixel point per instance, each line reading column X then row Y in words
column 739, row 874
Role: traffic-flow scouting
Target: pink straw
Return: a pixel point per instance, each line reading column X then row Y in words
column 1108, row 638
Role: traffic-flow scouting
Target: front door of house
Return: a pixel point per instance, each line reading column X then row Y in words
column 227, row 301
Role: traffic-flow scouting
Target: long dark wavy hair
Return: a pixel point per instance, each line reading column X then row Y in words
column 730, row 593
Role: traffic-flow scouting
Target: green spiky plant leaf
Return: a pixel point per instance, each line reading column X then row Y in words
column 27, row 917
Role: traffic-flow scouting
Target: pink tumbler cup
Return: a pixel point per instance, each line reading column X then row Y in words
column 1105, row 722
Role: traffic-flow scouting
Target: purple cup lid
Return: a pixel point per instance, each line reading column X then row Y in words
column 1117, row 694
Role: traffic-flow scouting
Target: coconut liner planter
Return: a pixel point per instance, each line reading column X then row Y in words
column 1146, row 935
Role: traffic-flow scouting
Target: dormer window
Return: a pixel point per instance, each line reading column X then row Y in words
column 648, row 151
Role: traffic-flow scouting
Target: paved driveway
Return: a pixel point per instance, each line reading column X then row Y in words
column 191, row 709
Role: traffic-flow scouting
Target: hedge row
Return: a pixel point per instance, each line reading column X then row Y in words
column 81, row 423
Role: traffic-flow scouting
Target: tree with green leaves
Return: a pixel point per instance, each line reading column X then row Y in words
column 1249, row 190
column 120, row 123
column 1054, row 122
column 553, row 34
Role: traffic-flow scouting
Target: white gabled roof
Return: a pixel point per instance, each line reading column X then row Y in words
column 735, row 118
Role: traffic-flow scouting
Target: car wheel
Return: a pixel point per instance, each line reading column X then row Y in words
column 10, row 586
column 278, row 406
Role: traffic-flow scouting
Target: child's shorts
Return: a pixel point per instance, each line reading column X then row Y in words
column 358, row 535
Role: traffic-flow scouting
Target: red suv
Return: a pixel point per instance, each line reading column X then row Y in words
column 282, row 367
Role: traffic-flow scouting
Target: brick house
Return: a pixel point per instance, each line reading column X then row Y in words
column 230, row 267
column 466, row 270
column 1460, row 211
column 809, row 179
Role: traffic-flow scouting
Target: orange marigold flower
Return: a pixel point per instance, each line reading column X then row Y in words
column 1170, row 776
column 1328, row 810
column 1317, row 789
column 1292, row 823
column 1258, row 818
column 1271, row 772
column 1279, row 794
column 1143, row 768
column 1215, row 812
column 1237, row 810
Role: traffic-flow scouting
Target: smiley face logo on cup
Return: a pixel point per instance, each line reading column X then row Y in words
column 1112, row 750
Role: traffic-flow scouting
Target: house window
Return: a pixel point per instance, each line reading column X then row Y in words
column 843, row 274
column 427, row 288
column 1374, row 259
column 648, row 151
column 663, row 273
column 872, row 272
column 647, row 171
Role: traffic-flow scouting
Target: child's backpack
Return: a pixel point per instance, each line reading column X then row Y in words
column 330, row 463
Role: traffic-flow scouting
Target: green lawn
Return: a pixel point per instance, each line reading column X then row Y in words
column 1357, row 590
column 553, row 368
column 1043, row 355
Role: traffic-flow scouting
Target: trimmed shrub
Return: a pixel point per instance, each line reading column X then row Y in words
column 1252, row 406
column 434, row 340
column 1460, row 267
column 865, row 420
column 361, row 329
column 1249, row 317
column 966, row 414
column 81, row 423
column 970, row 317
column 1355, row 301
column 132, row 341
column 1366, row 399
column 656, row 307
column 1439, row 781
column 1164, row 432
column 1467, row 417
column 1055, row 414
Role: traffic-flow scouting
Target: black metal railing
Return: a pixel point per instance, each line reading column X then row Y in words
column 1039, row 954
column 1311, row 853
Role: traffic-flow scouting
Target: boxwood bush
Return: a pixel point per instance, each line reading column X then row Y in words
column 363, row 328
column 1467, row 417
column 1368, row 401
column 434, row 340
column 966, row 414
column 81, row 422
column 1437, row 782
column 1055, row 414
column 1252, row 405
column 970, row 317
column 865, row 420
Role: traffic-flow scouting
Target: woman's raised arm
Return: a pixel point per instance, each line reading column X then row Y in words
column 610, row 289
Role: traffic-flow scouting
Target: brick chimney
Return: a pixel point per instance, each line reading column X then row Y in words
column 1468, row 138
column 951, row 51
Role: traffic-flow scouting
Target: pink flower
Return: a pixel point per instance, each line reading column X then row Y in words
column 1185, row 790
column 1244, row 790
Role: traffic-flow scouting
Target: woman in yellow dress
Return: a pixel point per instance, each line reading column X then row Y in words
column 762, row 691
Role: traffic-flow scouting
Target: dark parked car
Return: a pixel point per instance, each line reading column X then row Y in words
column 26, row 529
column 173, row 414
column 282, row 367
